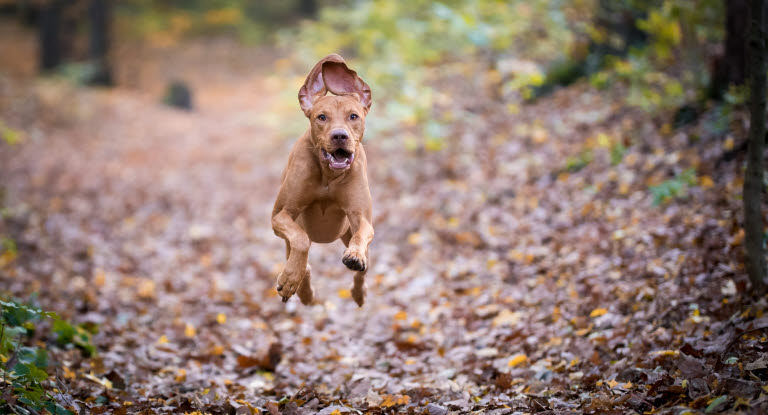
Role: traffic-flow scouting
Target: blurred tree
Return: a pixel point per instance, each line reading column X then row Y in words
column 49, row 29
column 753, row 178
column 99, row 14
column 59, row 22
column 308, row 8
column 731, row 67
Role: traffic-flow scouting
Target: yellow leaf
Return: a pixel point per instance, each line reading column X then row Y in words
column 217, row 350
column 627, row 385
column 706, row 182
column 6, row 258
column 103, row 381
column 345, row 293
column 99, row 278
column 336, row 412
column 221, row 318
column 603, row 140
column 517, row 359
column 574, row 362
column 146, row 289
column 665, row 353
column 224, row 16
column 189, row 330
column 414, row 238
column 506, row 318
column 539, row 135
column 162, row 340
column 728, row 143
column 584, row 331
column 181, row 375
column 401, row 315
column 68, row 374
column 611, row 383
column 392, row 400
column 598, row 312
column 623, row 189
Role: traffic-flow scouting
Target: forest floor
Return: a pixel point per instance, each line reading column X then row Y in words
column 524, row 267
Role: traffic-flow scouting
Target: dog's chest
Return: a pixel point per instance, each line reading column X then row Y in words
column 326, row 206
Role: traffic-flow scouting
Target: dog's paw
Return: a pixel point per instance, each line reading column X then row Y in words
column 287, row 284
column 354, row 259
column 358, row 294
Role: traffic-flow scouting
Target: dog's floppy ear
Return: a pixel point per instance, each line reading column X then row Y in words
column 341, row 80
column 332, row 74
column 314, row 87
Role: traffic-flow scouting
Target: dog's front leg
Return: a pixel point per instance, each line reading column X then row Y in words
column 286, row 227
column 355, row 257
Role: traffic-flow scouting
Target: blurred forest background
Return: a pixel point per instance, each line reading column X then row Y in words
column 557, row 201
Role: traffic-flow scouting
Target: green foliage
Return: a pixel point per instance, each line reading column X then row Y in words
column 165, row 22
column 401, row 48
column 9, row 135
column 77, row 335
column 25, row 367
column 674, row 188
column 677, row 30
column 578, row 162
column 617, row 152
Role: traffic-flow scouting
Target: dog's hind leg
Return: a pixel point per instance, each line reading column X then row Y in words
column 359, row 289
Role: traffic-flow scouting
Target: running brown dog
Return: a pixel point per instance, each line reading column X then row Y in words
column 324, row 194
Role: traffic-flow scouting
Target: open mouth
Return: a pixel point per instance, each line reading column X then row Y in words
column 340, row 159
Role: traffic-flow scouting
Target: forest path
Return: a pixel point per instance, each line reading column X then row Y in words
column 508, row 269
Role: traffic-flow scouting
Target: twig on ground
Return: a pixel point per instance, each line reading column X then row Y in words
column 733, row 341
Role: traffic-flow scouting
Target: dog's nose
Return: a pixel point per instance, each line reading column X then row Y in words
column 339, row 135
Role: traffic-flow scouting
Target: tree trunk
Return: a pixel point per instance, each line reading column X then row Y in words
column 98, row 12
column 731, row 67
column 49, row 32
column 308, row 8
column 753, row 179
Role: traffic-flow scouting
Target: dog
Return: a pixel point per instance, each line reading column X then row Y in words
column 324, row 194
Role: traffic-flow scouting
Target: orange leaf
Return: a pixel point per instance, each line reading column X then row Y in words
column 517, row 359
column 598, row 312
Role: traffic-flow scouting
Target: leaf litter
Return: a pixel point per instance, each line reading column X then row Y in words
column 504, row 279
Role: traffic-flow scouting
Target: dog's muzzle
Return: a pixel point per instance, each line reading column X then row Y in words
column 339, row 159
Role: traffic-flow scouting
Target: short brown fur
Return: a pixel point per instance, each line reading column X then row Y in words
column 324, row 193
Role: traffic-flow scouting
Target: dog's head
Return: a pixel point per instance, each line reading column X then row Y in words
column 337, row 122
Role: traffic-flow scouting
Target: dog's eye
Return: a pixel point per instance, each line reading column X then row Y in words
column 321, row 117
column 353, row 117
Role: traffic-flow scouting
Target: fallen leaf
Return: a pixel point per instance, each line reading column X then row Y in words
column 517, row 360
column 598, row 312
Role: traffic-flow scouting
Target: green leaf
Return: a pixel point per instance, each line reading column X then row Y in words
column 64, row 331
column 716, row 403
